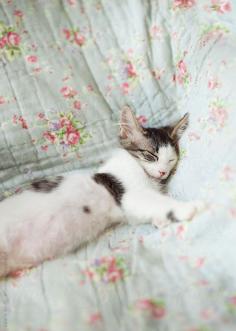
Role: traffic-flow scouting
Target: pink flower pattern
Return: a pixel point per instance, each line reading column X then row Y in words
column 10, row 41
column 67, row 131
column 221, row 6
column 125, row 74
column 155, row 308
column 184, row 3
column 74, row 37
column 107, row 269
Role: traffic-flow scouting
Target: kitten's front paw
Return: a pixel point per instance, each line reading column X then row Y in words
column 161, row 222
column 186, row 211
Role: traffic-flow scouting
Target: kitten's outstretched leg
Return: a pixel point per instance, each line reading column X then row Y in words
column 150, row 206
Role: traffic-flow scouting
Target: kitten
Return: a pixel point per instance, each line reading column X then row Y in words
column 53, row 218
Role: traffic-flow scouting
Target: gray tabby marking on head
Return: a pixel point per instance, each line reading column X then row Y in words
column 153, row 147
column 46, row 185
column 133, row 135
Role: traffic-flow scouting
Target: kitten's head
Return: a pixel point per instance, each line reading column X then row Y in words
column 156, row 149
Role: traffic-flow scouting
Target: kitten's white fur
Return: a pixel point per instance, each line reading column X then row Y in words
column 143, row 201
column 35, row 226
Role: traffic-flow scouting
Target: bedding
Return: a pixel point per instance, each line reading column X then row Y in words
column 67, row 68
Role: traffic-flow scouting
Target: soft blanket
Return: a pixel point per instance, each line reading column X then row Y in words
column 67, row 68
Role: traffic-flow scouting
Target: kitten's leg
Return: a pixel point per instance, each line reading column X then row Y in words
column 150, row 206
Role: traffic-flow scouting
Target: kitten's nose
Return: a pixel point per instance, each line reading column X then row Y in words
column 162, row 173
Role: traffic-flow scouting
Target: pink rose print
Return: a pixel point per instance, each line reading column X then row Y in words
column 221, row 6
column 180, row 231
column 218, row 113
column 67, row 34
column 232, row 300
column 64, row 122
column 44, row 148
column 72, row 136
column 213, row 84
column 155, row 308
column 182, row 76
column 155, row 32
column 125, row 88
column 184, row 3
column 211, row 32
column 20, row 120
column 90, row 88
column 32, row 58
column 79, row 39
column 67, row 131
column 228, row 173
column 13, row 39
column 130, row 70
column 74, row 36
column 18, row 13
column 9, row 41
column 50, row 136
column 193, row 136
column 77, row 104
column 71, row 2
column 3, row 42
column 231, row 304
column 207, row 314
column 199, row 262
column 2, row 100
column 108, row 269
column 233, row 212
column 182, row 67
column 95, row 318
column 68, row 92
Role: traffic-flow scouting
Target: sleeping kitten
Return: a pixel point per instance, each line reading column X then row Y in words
column 54, row 218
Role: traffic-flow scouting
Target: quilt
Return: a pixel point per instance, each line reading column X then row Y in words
column 67, row 67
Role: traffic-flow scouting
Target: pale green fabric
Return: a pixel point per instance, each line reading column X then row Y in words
column 164, row 58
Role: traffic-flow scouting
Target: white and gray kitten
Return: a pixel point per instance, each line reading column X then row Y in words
column 54, row 218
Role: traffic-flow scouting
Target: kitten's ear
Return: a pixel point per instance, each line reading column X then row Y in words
column 178, row 129
column 130, row 129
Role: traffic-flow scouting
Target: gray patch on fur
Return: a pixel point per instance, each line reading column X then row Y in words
column 86, row 210
column 171, row 217
column 46, row 185
column 112, row 184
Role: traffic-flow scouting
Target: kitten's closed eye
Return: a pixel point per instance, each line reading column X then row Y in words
column 148, row 156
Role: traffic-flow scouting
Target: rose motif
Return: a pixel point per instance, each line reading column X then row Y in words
column 68, row 92
column 13, row 39
column 184, row 3
column 77, row 104
column 50, row 136
column 130, row 70
column 67, row 34
column 182, row 67
column 156, row 308
column 32, row 58
column 64, row 122
column 73, row 137
column 79, row 39
column 3, row 42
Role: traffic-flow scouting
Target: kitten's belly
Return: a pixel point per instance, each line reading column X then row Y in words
column 45, row 226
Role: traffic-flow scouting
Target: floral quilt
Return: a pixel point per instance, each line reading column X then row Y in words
column 66, row 69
